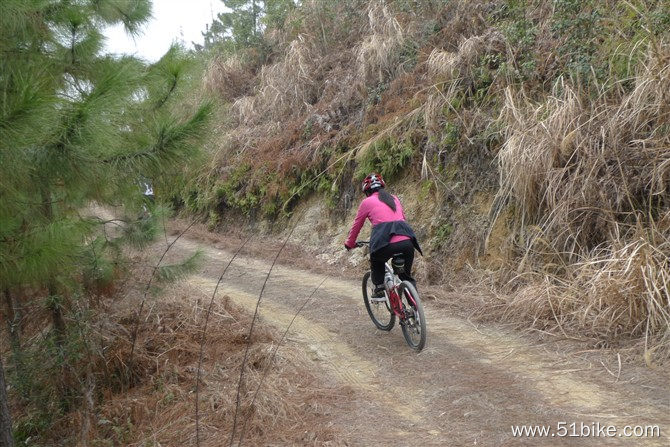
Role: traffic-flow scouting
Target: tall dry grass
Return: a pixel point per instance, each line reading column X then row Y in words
column 590, row 181
column 377, row 54
column 458, row 66
column 286, row 88
column 229, row 77
column 159, row 408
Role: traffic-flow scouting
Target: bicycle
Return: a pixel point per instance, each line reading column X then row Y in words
column 401, row 300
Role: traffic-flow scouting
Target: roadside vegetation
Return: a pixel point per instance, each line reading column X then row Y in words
column 536, row 132
column 77, row 128
column 539, row 130
column 96, row 350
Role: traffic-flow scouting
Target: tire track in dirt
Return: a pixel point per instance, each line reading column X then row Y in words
column 490, row 368
column 348, row 367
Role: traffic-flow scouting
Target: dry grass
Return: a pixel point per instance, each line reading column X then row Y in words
column 152, row 403
column 230, row 77
column 590, row 182
column 457, row 66
column 377, row 54
column 286, row 88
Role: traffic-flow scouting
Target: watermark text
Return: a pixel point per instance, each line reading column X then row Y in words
column 585, row 430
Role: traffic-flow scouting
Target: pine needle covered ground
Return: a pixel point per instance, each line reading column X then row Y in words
column 539, row 131
column 147, row 398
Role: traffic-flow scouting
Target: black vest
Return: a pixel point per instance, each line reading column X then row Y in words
column 382, row 233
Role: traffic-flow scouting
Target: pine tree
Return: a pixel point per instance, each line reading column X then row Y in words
column 243, row 26
column 77, row 127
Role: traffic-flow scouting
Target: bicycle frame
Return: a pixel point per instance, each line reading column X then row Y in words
column 411, row 316
column 393, row 297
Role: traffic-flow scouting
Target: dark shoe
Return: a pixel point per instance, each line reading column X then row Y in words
column 379, row 292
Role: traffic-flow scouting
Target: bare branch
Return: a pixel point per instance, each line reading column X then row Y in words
column 251, row 328
column 272, row 358
column 202, row 344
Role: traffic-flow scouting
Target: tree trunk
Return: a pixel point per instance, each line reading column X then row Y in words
column 13, row 321
column 14, row 326
column 56, row 312
column 254, row 14
column 6, row 439
column 57, row 317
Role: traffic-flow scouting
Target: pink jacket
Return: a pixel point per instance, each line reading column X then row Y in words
column 377, row 211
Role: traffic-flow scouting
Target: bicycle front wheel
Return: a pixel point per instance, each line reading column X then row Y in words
column 414, row 325
column 378, row 309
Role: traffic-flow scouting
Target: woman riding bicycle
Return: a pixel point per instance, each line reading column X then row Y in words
column 391, row 234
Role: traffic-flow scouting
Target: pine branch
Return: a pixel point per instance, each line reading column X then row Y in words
column 164, row 99
column 171, row 273
column 168, row 140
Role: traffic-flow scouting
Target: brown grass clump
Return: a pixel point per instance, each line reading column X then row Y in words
column 452, row 74
column 286, row 88
column 589, row 180
column 152, row 400
column 230, row 77
column 377, row 56
column 458, row 66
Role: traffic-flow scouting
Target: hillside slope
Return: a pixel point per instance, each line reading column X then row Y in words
column 531, row 140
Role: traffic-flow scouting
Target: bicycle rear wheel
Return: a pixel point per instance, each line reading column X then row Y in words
column 414, row 326
column 378, row 309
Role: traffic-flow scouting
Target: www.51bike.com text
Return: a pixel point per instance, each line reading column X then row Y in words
column 585, row 430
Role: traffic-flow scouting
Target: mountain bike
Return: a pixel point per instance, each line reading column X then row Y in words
column 401, row 300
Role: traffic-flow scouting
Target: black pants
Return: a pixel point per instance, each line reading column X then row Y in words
column 378, row 258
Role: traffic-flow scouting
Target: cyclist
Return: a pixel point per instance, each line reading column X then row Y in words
column 148, row 197
column 391, row 234
column 147, row 190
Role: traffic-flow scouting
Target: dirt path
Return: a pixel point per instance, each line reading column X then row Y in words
column 468, row 387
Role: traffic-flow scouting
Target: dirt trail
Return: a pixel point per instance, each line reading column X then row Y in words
column 468, row 387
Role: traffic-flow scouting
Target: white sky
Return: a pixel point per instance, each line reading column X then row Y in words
column 181, row 20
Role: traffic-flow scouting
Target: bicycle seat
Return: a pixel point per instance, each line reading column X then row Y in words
column 398, row 263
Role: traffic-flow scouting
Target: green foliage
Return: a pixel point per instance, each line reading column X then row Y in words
column 577, row 23
column 408, row 54
column 310, row 181
column 105, row 127
column 332, row 21
column 32, row 425
column 375, row 93
column 76, row 127
column 387, row 156
column 244, row 25
column 174, row 272
column 141, row 232
column 588, row 38
column 521, row 33
column 426, row 189
column 46, row 392
column 442, row 233
column 237, row 191
column 451, row 135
